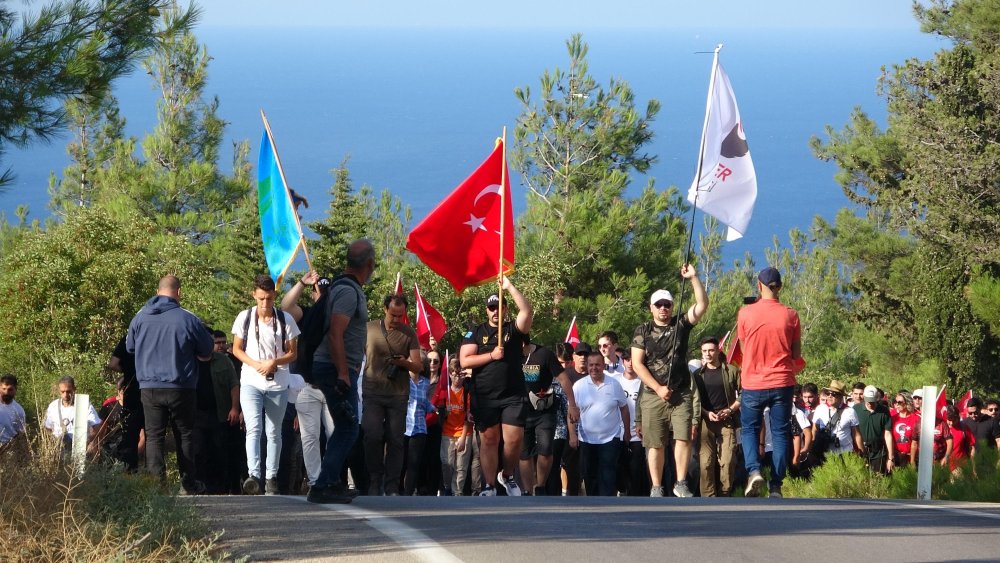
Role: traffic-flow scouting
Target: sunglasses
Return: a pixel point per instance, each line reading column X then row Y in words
column 492, row 308
column 899, row 402
column 663, row 304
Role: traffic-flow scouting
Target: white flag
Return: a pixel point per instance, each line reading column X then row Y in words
column 727, row 188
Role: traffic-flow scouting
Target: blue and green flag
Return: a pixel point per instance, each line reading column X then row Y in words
column 279, row 225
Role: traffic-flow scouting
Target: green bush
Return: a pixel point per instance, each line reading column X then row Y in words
column 846, row 476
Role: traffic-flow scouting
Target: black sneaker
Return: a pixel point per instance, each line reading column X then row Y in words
column 326, row 495
column 271, row 487
column 342, row 490
column 539, row 491
column 251, row 486
column 774, row 491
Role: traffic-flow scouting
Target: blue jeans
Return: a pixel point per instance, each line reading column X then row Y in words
column 752, row 405
column 267, row 407
column 344, row 411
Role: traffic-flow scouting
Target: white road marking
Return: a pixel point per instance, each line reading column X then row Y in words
column 961, row 511
column 414, row 541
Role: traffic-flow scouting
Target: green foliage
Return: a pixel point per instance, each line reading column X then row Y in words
column 599, row 252
column 984, row 298
column 842, row 476
column 71, row 49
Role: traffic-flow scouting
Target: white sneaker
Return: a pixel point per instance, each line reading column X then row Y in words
column 754, row 484
column 488, row 492
column 510, row 484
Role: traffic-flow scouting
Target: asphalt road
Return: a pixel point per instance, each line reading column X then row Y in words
column 549, row 529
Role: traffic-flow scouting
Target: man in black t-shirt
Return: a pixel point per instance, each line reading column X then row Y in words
column 499, row 399
column 540, row 368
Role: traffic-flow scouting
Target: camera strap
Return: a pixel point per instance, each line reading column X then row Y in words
column 385, row 335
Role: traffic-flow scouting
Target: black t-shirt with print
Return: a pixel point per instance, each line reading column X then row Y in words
column 499, row 379
column 540, row 368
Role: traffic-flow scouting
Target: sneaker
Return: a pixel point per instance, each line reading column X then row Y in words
column 540, row 491
column 510, row 484
column 656, row 491
column 271, row 487
column 251, row 486
column 754, row 484
column 488, row 492
column 681, row 490
column 343, row 490
column 326, row 495
column 774, row 491
column 193, row 487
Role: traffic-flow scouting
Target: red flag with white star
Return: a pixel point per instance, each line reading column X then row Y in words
column 573, row 334
column 399, row 291
column 430, row 323
column 460, row 238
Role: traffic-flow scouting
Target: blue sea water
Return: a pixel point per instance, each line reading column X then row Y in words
column 417, row 110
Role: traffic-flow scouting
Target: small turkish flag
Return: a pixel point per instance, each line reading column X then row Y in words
column 573, row 334
column 429, row 321
column 460, row 238
column 399, row 291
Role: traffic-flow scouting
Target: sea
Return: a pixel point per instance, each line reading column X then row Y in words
column 416, row 110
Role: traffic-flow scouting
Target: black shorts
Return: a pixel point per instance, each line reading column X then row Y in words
column 487, row 413
column 539, row 433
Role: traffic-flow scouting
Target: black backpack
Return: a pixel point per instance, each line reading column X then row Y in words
column 313, row 328
column 280, row 315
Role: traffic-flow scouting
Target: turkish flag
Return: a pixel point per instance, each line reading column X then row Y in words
column 963, row 405
column 941, row 404
column 460, row 238
column 429, row 321
column 573, row 334
column 399, row 291
column 732, row 350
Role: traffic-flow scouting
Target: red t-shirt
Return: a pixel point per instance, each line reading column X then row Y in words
column 905, row 431
column 962, row 440
column 766, row 330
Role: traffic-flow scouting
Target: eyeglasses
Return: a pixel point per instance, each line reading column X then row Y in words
column 663, row 304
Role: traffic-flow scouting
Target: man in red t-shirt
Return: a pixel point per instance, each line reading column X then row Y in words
column 770, row 338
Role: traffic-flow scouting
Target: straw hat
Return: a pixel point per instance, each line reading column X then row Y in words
column 835, row 386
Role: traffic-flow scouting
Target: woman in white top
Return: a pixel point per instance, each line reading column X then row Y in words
column 265, row 341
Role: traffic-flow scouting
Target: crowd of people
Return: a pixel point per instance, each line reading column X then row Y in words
column 319, row 399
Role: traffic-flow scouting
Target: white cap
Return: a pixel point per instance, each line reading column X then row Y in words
column 871, row 394
column 919, row 393
column 660, row 294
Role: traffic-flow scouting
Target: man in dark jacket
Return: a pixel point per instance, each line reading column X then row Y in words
column 167, row 342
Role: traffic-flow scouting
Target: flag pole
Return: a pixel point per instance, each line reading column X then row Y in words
column 678, row 304
column 281, row 171
column 503, row 223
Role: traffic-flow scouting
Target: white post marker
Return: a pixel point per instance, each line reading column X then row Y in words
column 81, row 429
column 926, row 452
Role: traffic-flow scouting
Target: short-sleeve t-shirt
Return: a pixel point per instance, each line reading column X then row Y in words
column 873, row 425
column 540, row 368
column 347, row 299
column 842, row 432
column 60, row 418
column 905, row 431
column 600, row 409
column 767, row 329
column 264, row 343
column 655, row 340
column 499, row 379
column 12, row 421
column 380, row 349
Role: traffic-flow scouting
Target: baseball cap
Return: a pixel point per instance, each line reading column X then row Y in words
column 659, row 295
column 918, row 393
column 871, row 394
column 770, row 277
column 323, row 283
column 493, row 300
column 582, row 348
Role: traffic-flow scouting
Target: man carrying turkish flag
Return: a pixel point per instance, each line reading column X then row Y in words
column 460, row 239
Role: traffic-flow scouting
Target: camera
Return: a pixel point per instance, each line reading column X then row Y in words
column 269, row 377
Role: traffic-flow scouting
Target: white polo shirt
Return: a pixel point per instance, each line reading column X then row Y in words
column 600, row 409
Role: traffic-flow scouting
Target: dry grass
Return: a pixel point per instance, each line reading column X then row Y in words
column 51, row 514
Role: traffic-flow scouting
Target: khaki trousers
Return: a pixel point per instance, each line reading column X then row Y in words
column 718, row 450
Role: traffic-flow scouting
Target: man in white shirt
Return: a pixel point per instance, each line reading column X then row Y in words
column 11, row 414
column 266, row 344
column 847, row 437
column 603, row 413
column 61, row 414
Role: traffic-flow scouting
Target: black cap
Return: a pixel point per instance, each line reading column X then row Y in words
column 770, row 277
column 492, row 300
column 582, row 348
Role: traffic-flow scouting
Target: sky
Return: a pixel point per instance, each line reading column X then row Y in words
column 576, row 14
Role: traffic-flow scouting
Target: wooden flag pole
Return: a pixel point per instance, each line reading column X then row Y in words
column 281, row 171
column 503, row 223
